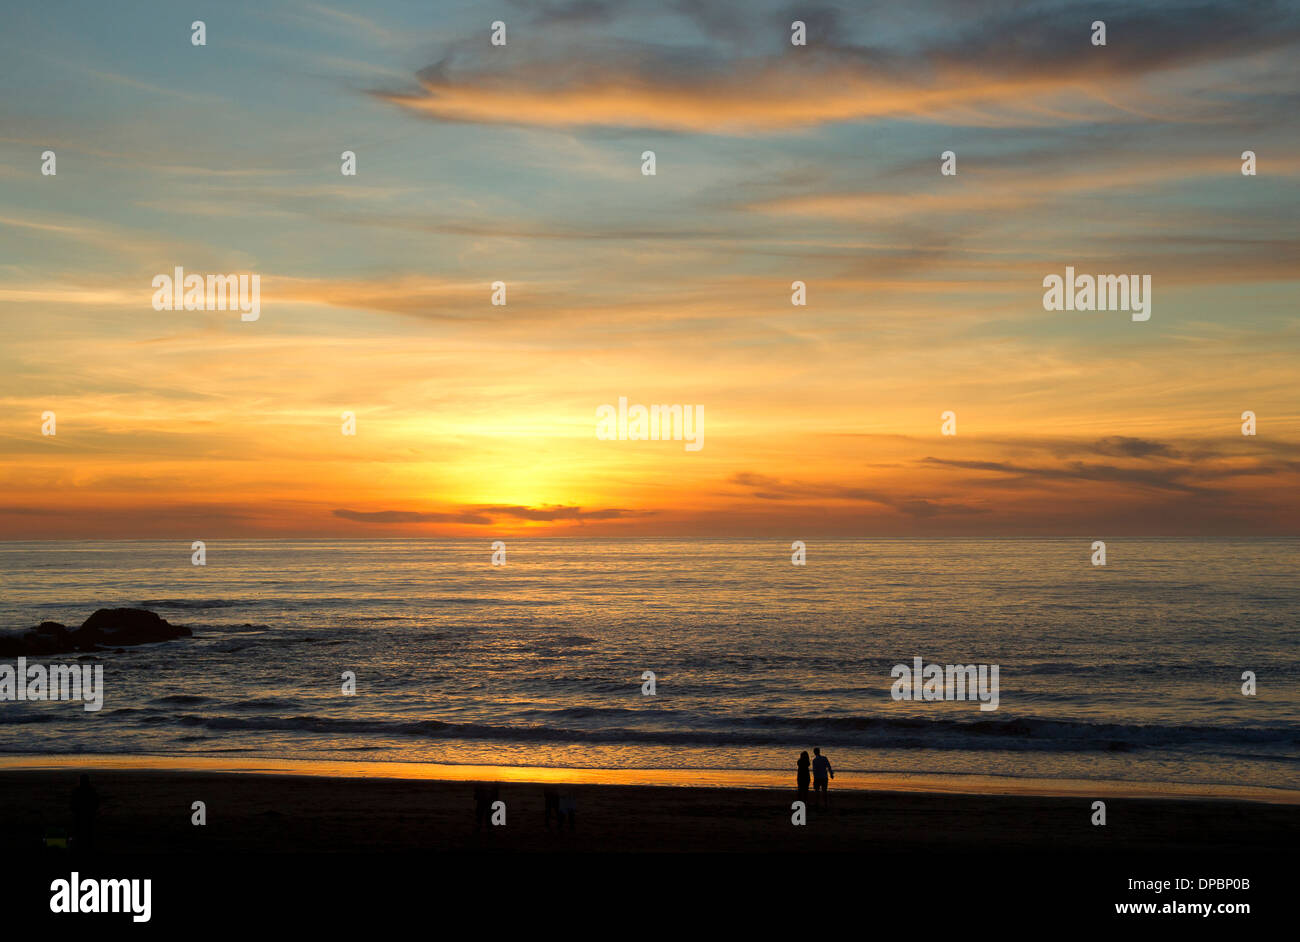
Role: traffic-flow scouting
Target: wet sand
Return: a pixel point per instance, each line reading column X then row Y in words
column 150, row 812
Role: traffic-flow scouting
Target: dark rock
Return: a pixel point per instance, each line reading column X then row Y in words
column 115, row 627
column 121, row 626
column 49, row 638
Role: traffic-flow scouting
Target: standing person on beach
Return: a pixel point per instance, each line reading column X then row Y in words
column 551, row 797
column 802, row 778
column 821, row 767
column 568, row 807
column 484, row 797
column 85, row 802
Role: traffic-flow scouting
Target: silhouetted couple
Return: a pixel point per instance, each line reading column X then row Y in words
column 822, row 773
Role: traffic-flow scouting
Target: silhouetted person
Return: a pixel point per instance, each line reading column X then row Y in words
column 484, row 797
column 569, row 808
column 85, row 801
column 821, row 767
column 551, row 795
column 802, row 778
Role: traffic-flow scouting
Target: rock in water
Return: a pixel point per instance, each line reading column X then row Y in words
column 120, row 626
column 116, row 627
column 49, row 637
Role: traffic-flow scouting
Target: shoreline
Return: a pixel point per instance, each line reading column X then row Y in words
column 728, row 779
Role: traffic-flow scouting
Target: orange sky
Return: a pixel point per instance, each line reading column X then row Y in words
column 774, row 164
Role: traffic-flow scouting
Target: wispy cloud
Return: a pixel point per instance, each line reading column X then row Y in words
column 1026, row 67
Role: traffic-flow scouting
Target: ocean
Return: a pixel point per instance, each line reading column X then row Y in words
column 1127, row 672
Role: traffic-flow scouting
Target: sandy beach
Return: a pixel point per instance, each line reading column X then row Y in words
column 149, row 812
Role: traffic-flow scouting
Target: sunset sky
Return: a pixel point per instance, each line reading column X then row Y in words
column 523, row 163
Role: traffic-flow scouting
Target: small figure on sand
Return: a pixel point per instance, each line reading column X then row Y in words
column 801, row 779
column 568, row 808
column 85, row 802
column 822, row 773
column 484, row 797
column 562, row 805
column 551, row 798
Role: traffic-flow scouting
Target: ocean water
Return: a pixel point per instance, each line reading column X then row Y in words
column 1130, row 671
